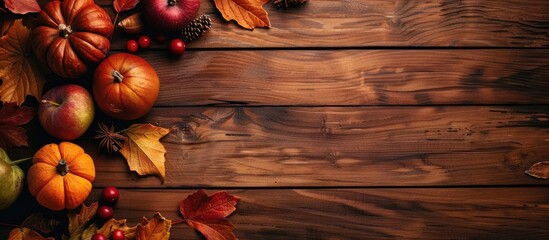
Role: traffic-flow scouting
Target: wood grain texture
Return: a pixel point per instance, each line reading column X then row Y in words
column 418, row 213
column 353, row 77
column 352, row 23
column 331, row 146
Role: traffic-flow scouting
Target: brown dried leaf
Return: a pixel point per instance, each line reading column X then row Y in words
column 143, row 150
column 40, row 222
column 6, row 21
column 78, row 222
column 19, row 70
column 156, row 228
column 247, row 13
column 113, row 224
column 539, row 170
column 25, row 234
column 89, row 232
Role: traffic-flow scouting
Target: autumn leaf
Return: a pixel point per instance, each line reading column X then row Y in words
column 156, row 228
column 19, row 70
column 22, row 6
column 113, row 224
column 6, row 21
column 40, row 222
column 78, row 222
column 25, row 234
column 11, row 117
column 143, row 150
column 89, row 232
column 539, row 170
column 124, row 5
column 247, row 13
column 207, row 214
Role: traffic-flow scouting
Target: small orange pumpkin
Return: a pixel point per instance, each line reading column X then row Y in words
column 61, row 176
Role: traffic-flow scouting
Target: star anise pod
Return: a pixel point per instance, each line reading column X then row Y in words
column 109, row 139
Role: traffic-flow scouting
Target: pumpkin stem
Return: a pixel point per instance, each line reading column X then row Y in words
column 64, row 30
column 172, row 2
column 118, row 77
column 62, row 167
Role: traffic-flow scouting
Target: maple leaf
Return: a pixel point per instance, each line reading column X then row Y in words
column 113, row 224
column 156, row 228
column 78, row 222
column 124, row 5
column 143, row 150
column 207, row 214
column 539, row 170
column 22, row 6
column 25, row 234
column 19, row 70
column 247, row 13
column 11, row 117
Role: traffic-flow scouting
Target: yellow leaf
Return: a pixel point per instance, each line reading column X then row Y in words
column 157, row 228
column 247, row 13
column 77, row 222
column 19, row 71
column 143, row 150
column 25, row 234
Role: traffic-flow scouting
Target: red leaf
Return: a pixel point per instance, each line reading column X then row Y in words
column 539, row 170
column 124, row 5
column 22, row 6
column 11, row 116
column 207, row 214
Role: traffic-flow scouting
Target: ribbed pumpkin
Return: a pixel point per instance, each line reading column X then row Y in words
column 125, row 86
column 71, row 35
column 61, row 176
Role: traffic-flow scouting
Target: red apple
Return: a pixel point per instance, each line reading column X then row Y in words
column 170, row 15
column 66, row 111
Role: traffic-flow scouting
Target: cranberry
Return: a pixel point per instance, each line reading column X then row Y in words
column 177, row 47
column 105, row 212
column 110, row 194
column 132, row 46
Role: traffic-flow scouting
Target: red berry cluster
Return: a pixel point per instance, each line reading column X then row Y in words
column 109, row 196
column 176, row 47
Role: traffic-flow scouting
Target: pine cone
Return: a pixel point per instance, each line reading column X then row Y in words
column 196, row 28
column 288, row 3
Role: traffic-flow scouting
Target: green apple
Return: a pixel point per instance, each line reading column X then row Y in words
column 11, row 180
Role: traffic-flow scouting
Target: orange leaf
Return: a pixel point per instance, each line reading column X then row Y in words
column 22, row 6
column 25, row 234
column 19, row 71
column 207, row 214
column 539, row 170
column 11, row 116
column 143, row 150
column 247, row 13
column 123, row 5
column 78, row 222
column 156, row 228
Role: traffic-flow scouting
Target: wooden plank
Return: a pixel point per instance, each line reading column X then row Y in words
column 374, row 23
column 333, row 146
column 418, row 213
column 353, row 77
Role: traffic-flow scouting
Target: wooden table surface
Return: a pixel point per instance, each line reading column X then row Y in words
column 351, row 119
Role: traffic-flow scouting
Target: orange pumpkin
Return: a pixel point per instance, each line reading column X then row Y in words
column 125, row 86
column 61, row 176
column 71, row 35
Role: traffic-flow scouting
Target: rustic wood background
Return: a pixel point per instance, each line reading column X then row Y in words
column 351, row 119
